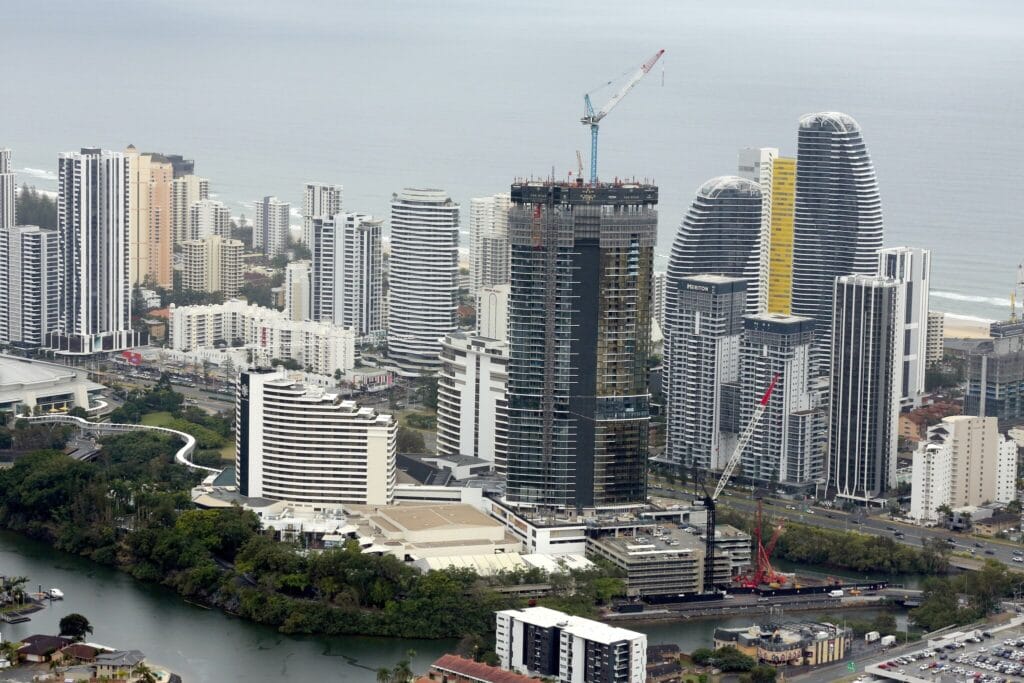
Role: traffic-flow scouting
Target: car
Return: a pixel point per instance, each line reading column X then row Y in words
column 1018, row 558
column 890, row 528
column 990, row 552
column 978, row 545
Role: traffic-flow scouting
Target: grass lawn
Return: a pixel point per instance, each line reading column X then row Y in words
column 227, row 454
column 160, row 419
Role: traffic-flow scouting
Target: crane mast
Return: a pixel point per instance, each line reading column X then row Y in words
column 593, row 119
column 710, row 500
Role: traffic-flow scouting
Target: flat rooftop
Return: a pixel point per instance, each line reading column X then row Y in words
column 425, row 517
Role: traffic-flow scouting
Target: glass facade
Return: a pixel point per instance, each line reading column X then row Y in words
column 579, row 340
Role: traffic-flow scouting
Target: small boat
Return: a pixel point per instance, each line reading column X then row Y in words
column 56, row 594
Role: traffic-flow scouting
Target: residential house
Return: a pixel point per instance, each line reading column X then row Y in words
column 39, row 649
column 456, row 669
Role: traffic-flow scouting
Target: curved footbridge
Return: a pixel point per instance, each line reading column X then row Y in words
column 183, row 456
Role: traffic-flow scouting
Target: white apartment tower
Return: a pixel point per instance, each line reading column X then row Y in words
column 298, row 290
column 866, row 368
column 788, row 443
column 424, row 278
column 472, row 404
column 213, row 264
column 308, row 445
column 965, row 461
column 658, row 279
column 757, row 164
column 319, row 200
column 270, row 227
column 912, row 269
column 93, row 276
column 705, row 319
column 348, row 273
column 7, row 198
column 488, row 241
column 208, row 217
column 32, row 294
column 185, row 191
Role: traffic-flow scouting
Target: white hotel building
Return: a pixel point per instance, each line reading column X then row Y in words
column 322, row 348
column 308, row 445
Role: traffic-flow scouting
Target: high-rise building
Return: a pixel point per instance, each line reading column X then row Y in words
column 423, row 282
column 866, row 374
column 270, row 227
column 543, row 642
column 837, row 227
column 31, row 284
column 777, row 255
column 721, row 234
column 150, row 218
column 702, row 349
column 788, row 444
column 658, row 297
column 93, row 202
column 995, row 374
column 757, row 164
column 7, row 198
column 213, row 264
column 492, row 312
column 579, row 340
column 912, row 269
column 308, row 445
column 965, row 461
column 936, row 332
column 319, row 200
column 348, row 273
column 208, row 217
column 298, row 289
column 186, row 190
column 472, row 402
column 488, row 241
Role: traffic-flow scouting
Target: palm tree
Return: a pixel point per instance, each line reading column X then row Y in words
column 383, row 675
column 403, row 670
column 143, row 673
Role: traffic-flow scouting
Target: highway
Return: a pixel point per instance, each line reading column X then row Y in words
column 834, row 519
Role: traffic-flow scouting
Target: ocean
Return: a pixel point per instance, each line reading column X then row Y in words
column 468, row 95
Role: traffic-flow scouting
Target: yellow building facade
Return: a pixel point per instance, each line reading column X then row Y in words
column 780, row 241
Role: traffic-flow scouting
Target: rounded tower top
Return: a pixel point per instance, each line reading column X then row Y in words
column 832, row 120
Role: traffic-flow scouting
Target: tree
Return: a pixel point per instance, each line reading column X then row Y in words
column 34, row 208
column 75, row 626
column 1014, row 507
column 403, row 670
column 383, row 675
column 429, row 386
column 728, row 658
column 762, row 673
column 410, row 441
column 702, row 655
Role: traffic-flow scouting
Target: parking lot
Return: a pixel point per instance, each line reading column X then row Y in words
column 979, row 656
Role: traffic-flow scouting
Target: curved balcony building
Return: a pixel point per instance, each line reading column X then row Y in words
column 308, row 445
column 423, row 279
column 837, row 226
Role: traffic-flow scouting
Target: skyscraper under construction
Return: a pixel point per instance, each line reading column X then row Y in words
column 579, row 336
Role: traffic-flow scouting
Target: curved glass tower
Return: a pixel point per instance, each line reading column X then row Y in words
column 837, row 227
column 720, row 235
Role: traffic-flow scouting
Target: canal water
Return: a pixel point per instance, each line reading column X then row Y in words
column 207, row 645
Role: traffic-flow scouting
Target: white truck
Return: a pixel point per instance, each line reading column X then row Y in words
column 888, row 641
column 871, row 636
column 838, row 593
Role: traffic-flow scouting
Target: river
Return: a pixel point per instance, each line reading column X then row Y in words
column 207, row 645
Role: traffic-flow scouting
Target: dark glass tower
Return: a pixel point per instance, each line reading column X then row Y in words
column 837, row 228
column 579, row 339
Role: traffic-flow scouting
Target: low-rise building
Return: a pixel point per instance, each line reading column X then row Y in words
column 321, row 348
column 119, row 665
column 544, row 642
column 456, row 669
column 997, row 523
column 29, row 384
column 40, row 648
column 807, row 644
